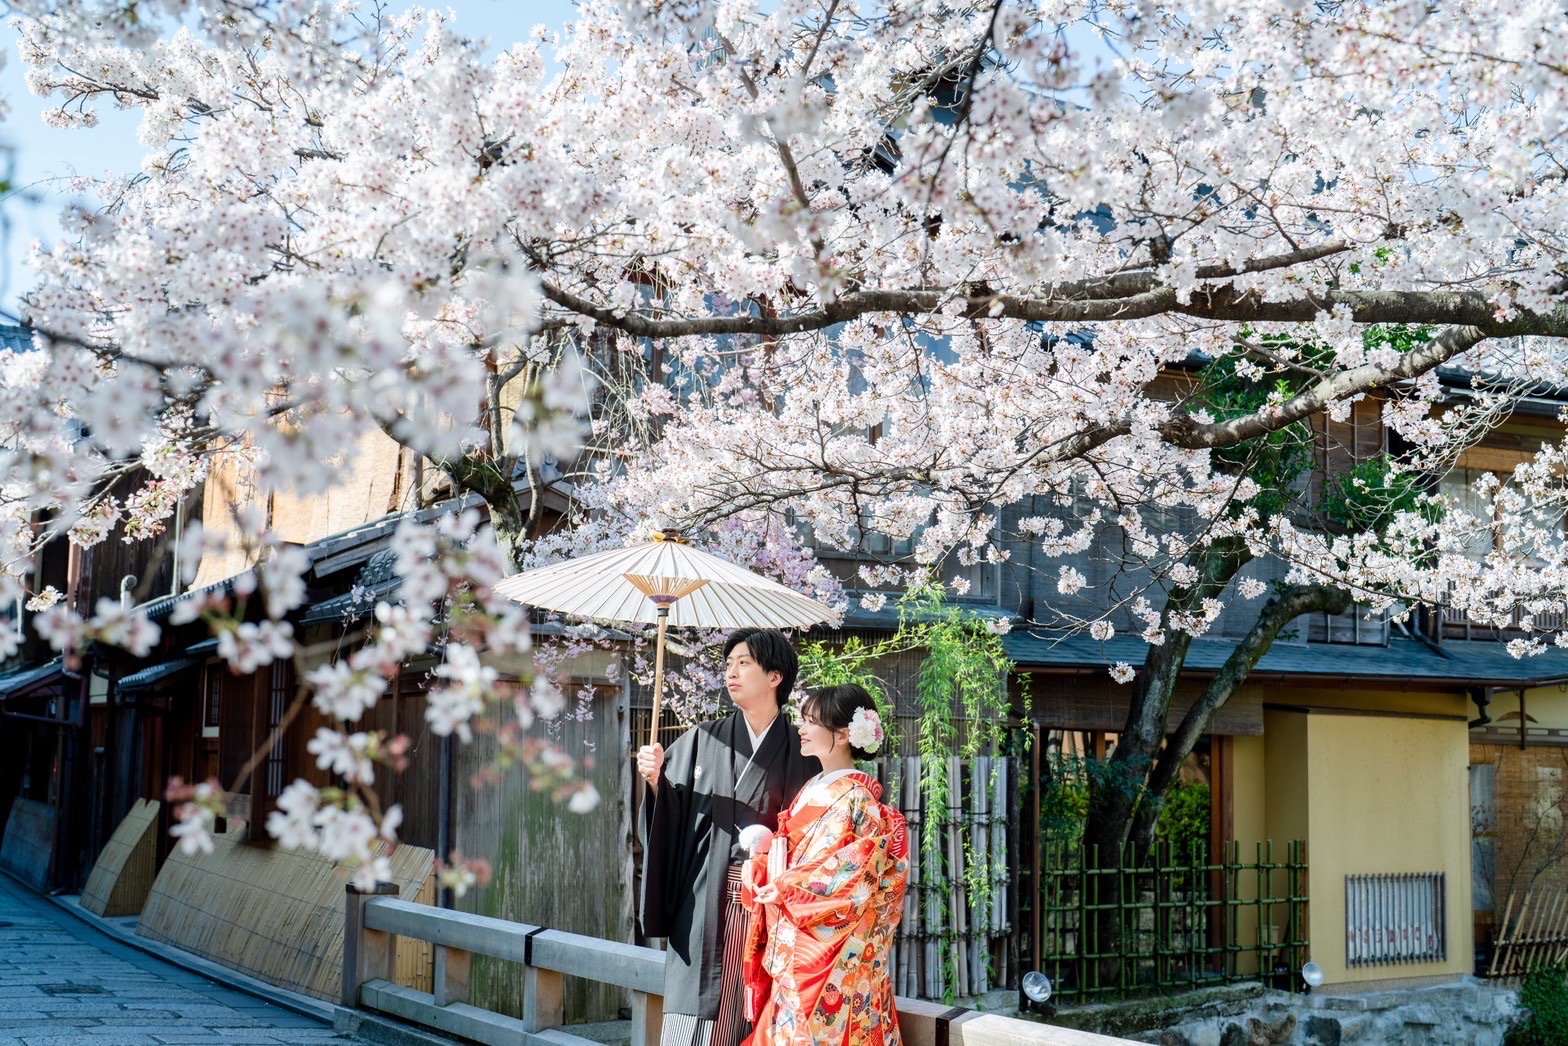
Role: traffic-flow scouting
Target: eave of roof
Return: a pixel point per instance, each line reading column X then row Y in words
column 18, row 682
column 1468, row 663
column 149, row 678
column 14, row 338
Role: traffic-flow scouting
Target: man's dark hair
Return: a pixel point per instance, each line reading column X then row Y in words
column 773, row 651
column 835, row 706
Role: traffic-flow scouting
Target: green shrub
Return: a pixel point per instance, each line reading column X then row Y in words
column 1184, row 821
column 1544, row 995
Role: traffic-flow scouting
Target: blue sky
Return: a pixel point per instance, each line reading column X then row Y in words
column 39, row 161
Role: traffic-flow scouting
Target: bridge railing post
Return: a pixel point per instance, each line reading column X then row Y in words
column 647, row 1018
column 367, row 954
column 451, row 975
column 544, row 999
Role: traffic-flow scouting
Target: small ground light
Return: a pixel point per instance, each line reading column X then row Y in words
column 1036, row 987
column 1312, row 975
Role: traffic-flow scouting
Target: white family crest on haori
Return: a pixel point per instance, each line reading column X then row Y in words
column 663, row 581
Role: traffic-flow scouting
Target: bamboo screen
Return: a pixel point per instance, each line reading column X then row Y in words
column 275, row 914
column 123, row 876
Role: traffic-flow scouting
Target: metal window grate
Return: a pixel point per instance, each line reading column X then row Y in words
column 1395, row 919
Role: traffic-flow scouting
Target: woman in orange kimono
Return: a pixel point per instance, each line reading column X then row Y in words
column 826, row 891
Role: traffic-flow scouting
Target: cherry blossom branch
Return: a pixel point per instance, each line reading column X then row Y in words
column 1133, row 296
column 1188, row 432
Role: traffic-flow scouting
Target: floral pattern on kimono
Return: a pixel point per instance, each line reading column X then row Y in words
column 827, row 943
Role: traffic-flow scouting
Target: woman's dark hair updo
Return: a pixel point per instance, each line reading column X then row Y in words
column 835, row 706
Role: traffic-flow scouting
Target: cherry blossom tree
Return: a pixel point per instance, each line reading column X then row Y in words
column 889, row 266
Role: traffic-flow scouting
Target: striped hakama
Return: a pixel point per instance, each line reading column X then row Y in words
column 684, row 1029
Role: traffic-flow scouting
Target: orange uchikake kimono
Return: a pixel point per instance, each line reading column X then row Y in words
column 817, row 962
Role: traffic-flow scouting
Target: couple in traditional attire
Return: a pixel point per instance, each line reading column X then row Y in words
column 771, row 866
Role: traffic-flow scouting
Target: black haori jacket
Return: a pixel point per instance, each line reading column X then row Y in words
column 688, row 828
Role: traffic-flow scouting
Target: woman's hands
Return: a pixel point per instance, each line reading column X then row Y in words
column 768, row 864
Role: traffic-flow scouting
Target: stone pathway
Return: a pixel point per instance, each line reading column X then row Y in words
column 63, row 983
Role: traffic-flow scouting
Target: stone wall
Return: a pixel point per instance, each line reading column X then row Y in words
column 1466, row 1012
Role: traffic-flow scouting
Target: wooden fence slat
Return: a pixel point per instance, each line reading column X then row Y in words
column 1532, row 933
column 1528, row 940
column 1548, row 921
column 1501, row 948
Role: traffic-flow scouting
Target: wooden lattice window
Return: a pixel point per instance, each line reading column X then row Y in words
column 212, row 698
column 278, row 693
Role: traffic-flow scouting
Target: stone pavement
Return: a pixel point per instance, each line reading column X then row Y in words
column 63, row 983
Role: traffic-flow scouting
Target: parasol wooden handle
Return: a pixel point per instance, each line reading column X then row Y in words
column 658, row 675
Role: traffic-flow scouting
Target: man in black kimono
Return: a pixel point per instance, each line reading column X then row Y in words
column 717, row 779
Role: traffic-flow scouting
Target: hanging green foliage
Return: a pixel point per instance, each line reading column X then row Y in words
column 963, row 676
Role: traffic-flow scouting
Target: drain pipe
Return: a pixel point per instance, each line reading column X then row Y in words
column 179, row 533
column 126, row 583
column 444, row 845
column 1482, row 696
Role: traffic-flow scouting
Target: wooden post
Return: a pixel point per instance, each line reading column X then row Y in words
column 260, row 732
column 647, row 1018
column 367, row 954
column 544, row 998
column 451, row 974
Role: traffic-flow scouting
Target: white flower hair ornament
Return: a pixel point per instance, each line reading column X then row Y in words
column 865, row 730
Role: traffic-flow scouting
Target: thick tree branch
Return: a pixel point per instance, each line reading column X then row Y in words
column 1187, row 432
column 1111, row 804
column 1126, row 296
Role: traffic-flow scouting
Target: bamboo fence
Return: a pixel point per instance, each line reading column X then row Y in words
column 1534, row 936
column 950, row 942
column 276, row 914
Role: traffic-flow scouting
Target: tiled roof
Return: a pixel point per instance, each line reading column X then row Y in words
column 149, row 677
column 14, row 683
column 376, row 580
column 14, row 338
column 1466, row 663
column 857, row 616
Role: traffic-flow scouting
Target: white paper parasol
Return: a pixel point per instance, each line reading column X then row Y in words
column 663, row 581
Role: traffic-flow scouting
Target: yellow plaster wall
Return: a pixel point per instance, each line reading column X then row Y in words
column 1406, row 700
column 230, row 487
column 1383, row 794
column 1285, row 778
column 366, row 489
column 1249, row 827
column 1248, row 771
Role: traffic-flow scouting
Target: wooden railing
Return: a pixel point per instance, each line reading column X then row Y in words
column 375, row 919
column 1456, row 624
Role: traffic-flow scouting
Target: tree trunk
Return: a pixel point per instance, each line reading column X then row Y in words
column 492, row 481
column 1115, row 795
column 491, row 478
